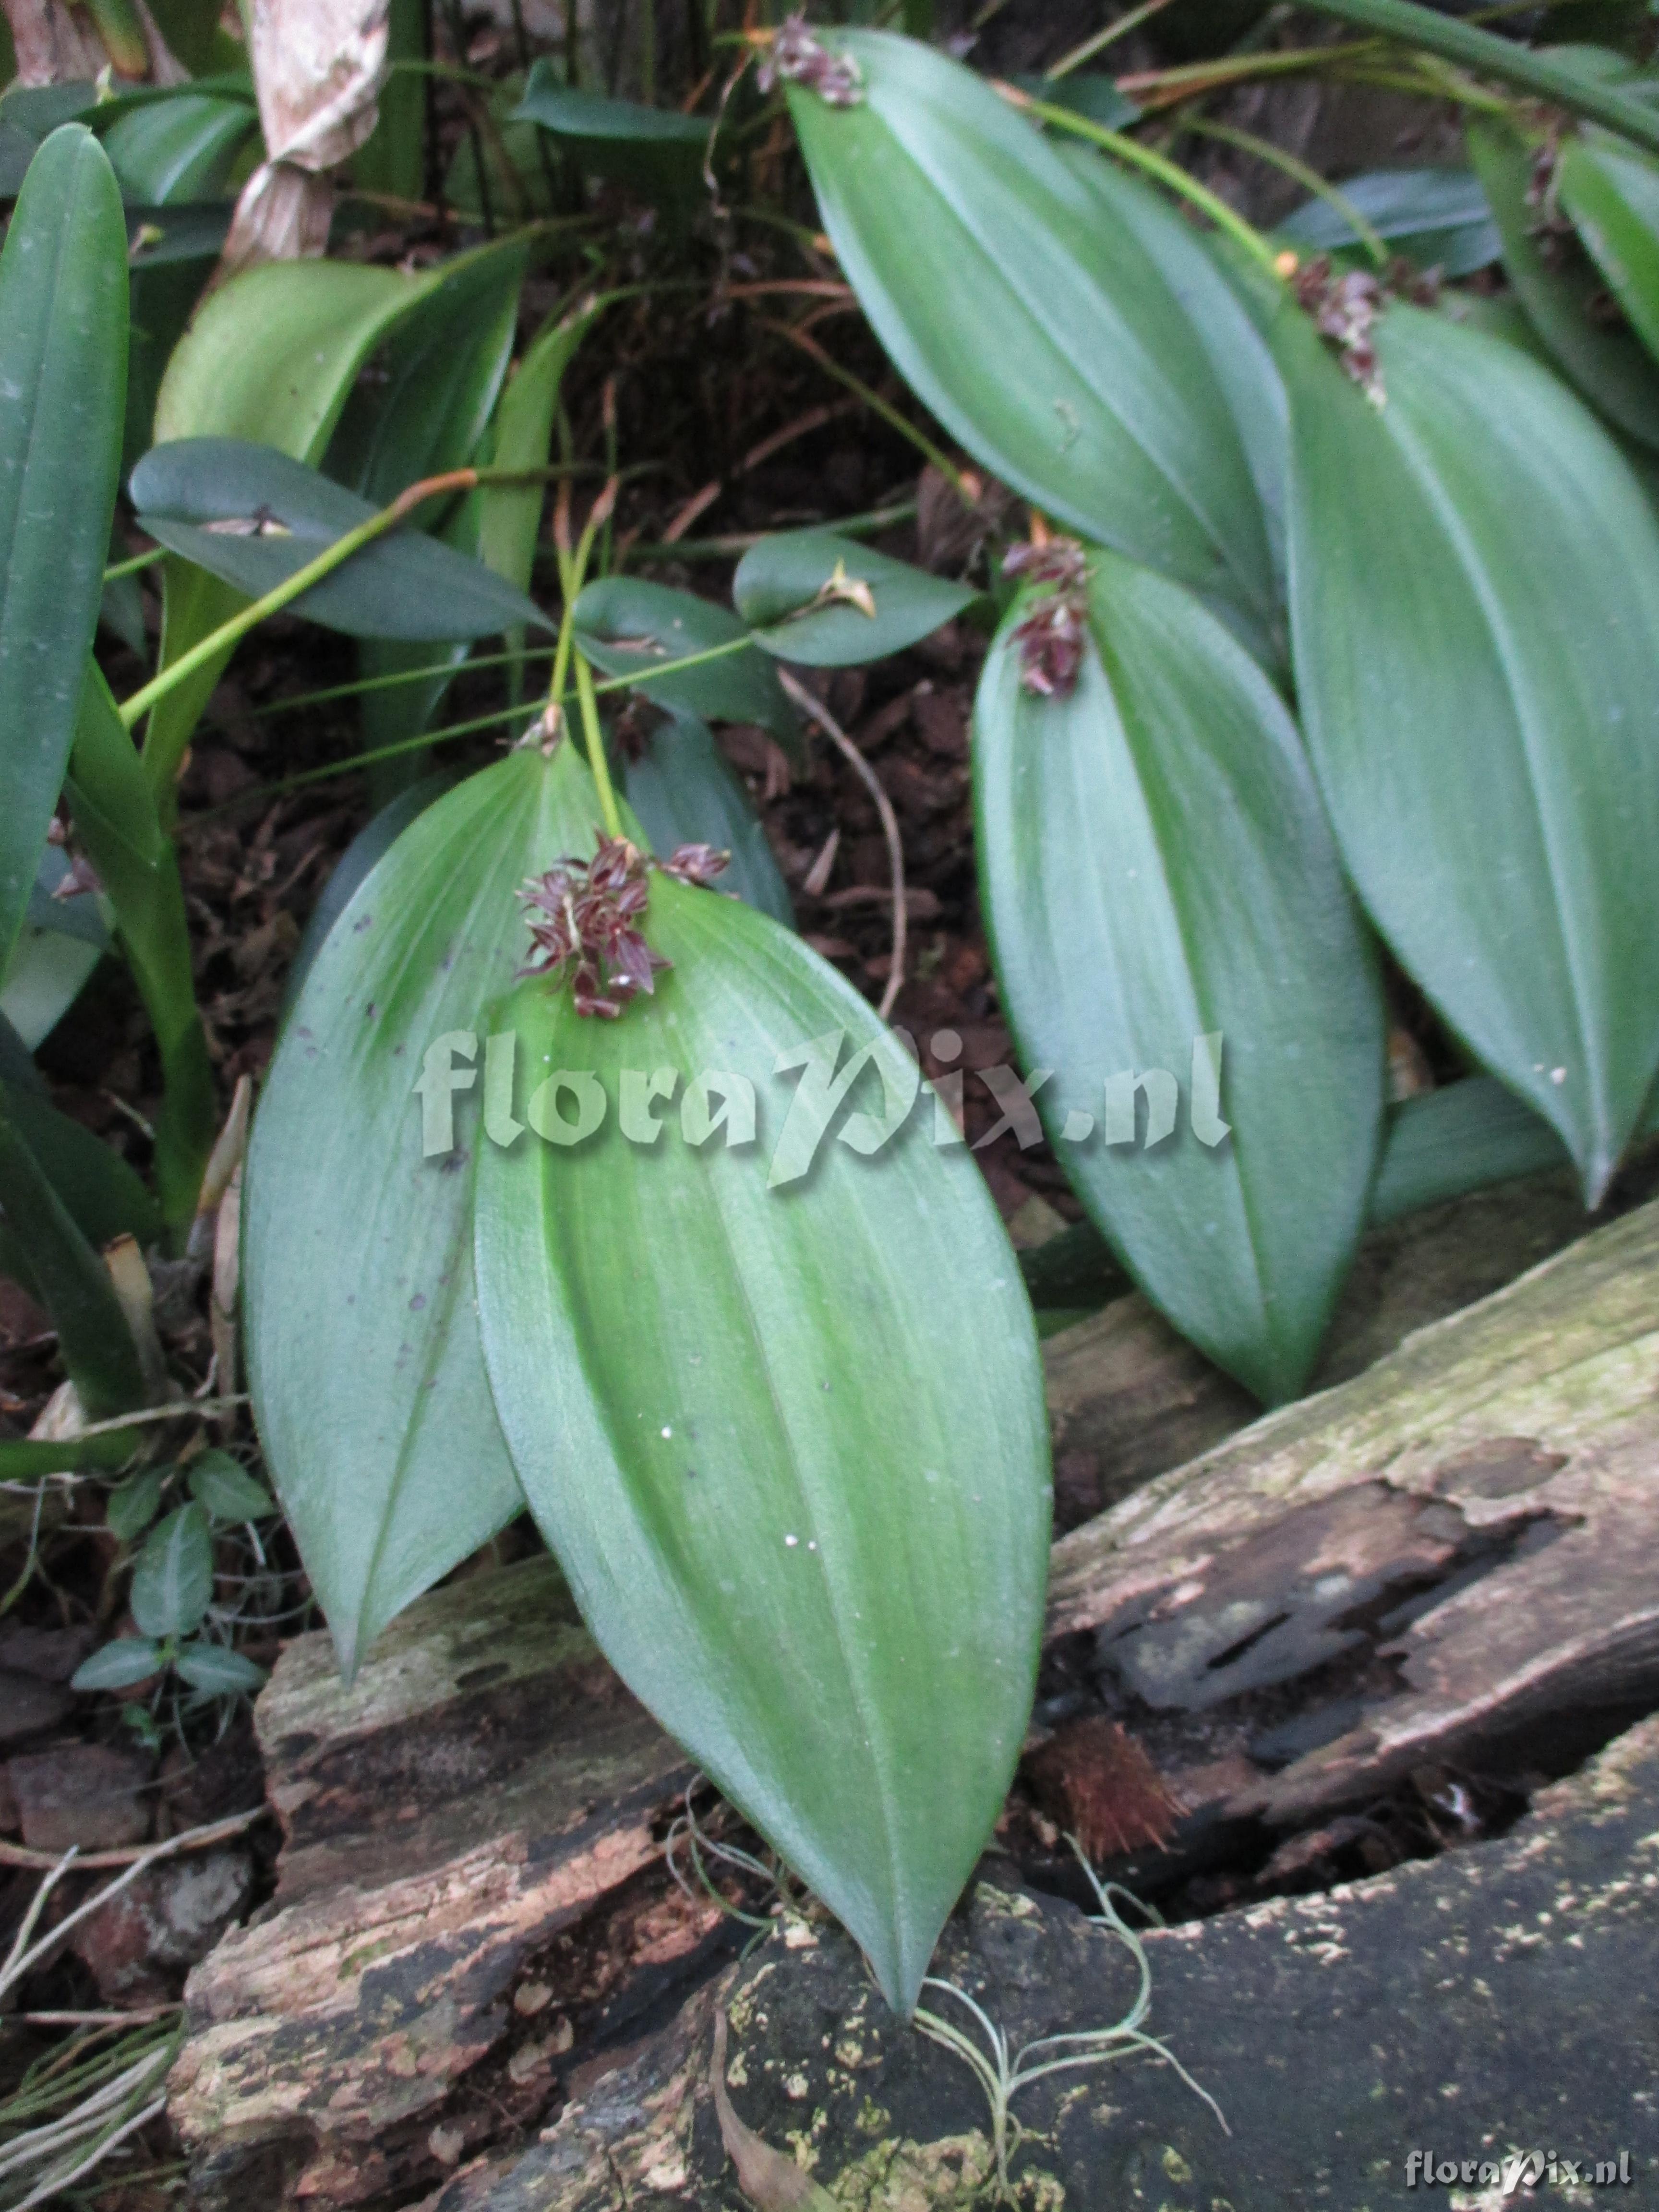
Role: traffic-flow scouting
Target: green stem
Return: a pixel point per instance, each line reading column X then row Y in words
column 1310, row 180
column 1168, row 173
column 139, row 561
column 729, row 548
column 890, row 414
column 1102, row 40
column 1487, row 55
column 331, row 558
column 398, row 676
column 593, row 737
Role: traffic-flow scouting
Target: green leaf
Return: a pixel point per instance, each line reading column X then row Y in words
column 1053, row 344
column 509, row 515
column 686, row 792
column 1438, row 217
column 393, row 158
column 1475, row 590
column 69, row 1275
column 118, row 1665
column 785, row 1432
column 405, row 585
column 23, row 1459
column 273, row 355
column 623, row 624
column 131, row 1507
column 656, row 150
column 1608, row 364
column 375, row 838
column 1122, row 832
column 172, row 1576
column 832, row 603
column 1611, row 193
column 218, row 1671
column 1090, row 95
column 364, row 1363
column 177, row 151
column 227, row 1490
column 62, row 367
column 61, row 942
column 115, row 815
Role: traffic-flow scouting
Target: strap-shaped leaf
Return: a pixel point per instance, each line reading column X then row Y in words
column 368, row 1382
column 787, row 1442
column 624, row 625
column 1612, row 192
column 686, row 792
column 1559, row 289
column 1475, row 599
column 1051, row 343
column 829, row 601
column 283, row 514
column 656, row 150
column 1162, row 893
column 1438, row 218
column 62, row 371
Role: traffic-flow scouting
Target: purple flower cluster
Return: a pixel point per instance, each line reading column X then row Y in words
column 1052, row 637
column 799, row 58
column 584, row 917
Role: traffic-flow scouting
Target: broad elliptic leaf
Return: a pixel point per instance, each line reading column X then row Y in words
column 368, row 1381
column 216, row 1671
column 179, row 151
column 1474, row 595
column 623, row 625
column 1561, row 290
column 376, row 837
column 251, row 515
column 272, row 354
column 1438, row 218
column 1611, row 190
column 133, row 1504
column 656, row 150
column 1052, row 343
column 227, row 1490
column 63, row 372
column 829, row 601
column 172, row 1576
column 1162, row 894
column 686, row 792
column 784, row 1431
column 118, row 1665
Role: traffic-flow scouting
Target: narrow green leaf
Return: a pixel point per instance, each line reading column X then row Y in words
column 1559, row 289
column 1438, row 218
column 118, row 1665
column 172, row 1576
column 227, row 1490
column 61, row 942
column 23, row 1459
column 623, row 624
column 405, row 585
column 393, row 158
column 364, row 1363
column 509, row 515
column 1051, row 343
column 686, row 792
column 1611, row 193
column 69, row 1276
column 63, row 367
column 784, row 1432
column 656, row 150
column 177, row 151
column 218, row 1671
column 1475, row 591
column 829, row 601
column 1122, row 832
column 134, row 1505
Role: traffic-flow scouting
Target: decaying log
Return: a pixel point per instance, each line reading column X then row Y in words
column 1124, row 1388
column 1496, row 2002
column 1471, row 1527
column 484, row 1781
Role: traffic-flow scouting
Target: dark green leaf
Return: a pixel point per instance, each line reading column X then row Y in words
column 23, row 1459
column 364, row 1361
column 134, row 1505
column 405, row 585
column 1122, row 833
column 831, row 602
column 1474, row 589
column 1560, row 289
column 1611, row 193
column 62, row 367
column 176, row 151
column 785, row 1432
column 622, row 625
column 656, row 150
column 509, row 515
column 1049, row 341
column 218, row 1671
column 118, row 1665
column 686, row 792
column 1096, row 96
column 393, row 159
column 158, row 237
column 59, row 947
column 69, row 1275
column 1438, row 217
column 228, row 1490
column 172, row 1576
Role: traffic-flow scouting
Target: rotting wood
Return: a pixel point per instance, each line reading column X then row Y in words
column 1479, row 1511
